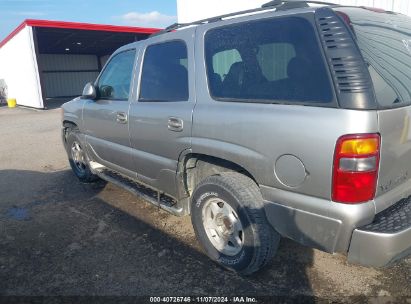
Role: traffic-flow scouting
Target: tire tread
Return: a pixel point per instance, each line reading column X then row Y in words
column 247, row 191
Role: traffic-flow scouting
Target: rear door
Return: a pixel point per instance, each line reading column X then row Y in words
column 161, row 114
column 384, row 39
column 106, row 118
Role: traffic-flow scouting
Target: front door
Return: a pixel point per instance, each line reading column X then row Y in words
column 105, row 119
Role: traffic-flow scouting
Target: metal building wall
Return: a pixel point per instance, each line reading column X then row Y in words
column 65, row 75
column 18, row 67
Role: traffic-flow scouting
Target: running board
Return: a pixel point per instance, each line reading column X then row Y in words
column 150, row 195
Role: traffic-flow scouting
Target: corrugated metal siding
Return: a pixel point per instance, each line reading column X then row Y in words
column 66, row 84
column 66, row 75
column 53, row 62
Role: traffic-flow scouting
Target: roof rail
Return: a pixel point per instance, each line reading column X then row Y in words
column 275, row 4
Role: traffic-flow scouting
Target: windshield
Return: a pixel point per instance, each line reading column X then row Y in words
column 384, row 39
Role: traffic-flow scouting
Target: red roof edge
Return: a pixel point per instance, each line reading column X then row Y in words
column 78, row 26
column 12, row 34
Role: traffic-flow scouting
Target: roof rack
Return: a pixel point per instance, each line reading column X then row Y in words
column 275, row 4
column 300, row 3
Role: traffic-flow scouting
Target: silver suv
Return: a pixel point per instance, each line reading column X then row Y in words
column 290, row 120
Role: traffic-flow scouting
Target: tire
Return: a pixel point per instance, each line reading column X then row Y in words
column 82, row 171
column 252, row 244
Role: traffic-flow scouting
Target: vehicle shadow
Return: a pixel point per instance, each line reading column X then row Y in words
column 61, row 237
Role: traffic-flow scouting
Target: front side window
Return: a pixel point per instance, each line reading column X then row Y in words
column 273, row 60
column 114, row 82
column 164, row 76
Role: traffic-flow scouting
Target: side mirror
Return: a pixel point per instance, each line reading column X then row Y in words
column 89, row 91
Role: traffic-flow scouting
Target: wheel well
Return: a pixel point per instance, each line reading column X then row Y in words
column 199, row 166
column 67, row 125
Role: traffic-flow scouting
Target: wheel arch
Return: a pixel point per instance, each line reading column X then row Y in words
column 194, row 167
column 68, row 123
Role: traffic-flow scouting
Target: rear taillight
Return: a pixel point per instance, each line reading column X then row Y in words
column 355, row 173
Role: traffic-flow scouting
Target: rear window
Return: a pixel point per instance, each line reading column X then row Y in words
column 384, row 39
column 270, row 60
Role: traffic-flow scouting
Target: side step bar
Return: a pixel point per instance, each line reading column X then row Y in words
column 148, row 194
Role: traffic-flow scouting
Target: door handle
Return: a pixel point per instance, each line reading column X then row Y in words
column 175, row 124
column 121, row 117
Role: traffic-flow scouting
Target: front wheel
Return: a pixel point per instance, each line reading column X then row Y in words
column 77, row 157
column 228, row 217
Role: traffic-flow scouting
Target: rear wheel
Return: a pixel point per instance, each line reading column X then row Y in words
column 78, row 158
column 229, row 220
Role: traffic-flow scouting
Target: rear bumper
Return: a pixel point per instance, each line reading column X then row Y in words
column 313, row 221
column 385, row 240
column 369, row 239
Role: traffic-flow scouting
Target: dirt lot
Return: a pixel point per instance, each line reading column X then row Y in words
column 60, row 237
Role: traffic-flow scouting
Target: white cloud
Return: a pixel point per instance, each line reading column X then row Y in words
column 151, row 19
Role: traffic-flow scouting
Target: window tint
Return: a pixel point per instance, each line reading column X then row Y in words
column 164, row 76
column 115, row 81
column 385, row 43
column 267, row 60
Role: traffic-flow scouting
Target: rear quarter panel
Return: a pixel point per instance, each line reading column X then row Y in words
column 256, row 136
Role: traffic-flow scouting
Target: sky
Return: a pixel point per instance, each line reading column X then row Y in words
column 145, row 13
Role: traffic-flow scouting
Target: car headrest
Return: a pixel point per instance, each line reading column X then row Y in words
column 235, row 74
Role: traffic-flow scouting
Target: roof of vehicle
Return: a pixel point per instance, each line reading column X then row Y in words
column 275, row 6
column 272, row 8
column 236, row 16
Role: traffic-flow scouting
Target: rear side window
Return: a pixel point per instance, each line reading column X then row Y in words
column 270, row 60
column 164, row 76
column 384, row 39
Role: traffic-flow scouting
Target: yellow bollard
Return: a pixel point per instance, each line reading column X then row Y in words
column 11, row 102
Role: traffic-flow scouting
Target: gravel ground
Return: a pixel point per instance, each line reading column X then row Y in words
column 61, row 237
